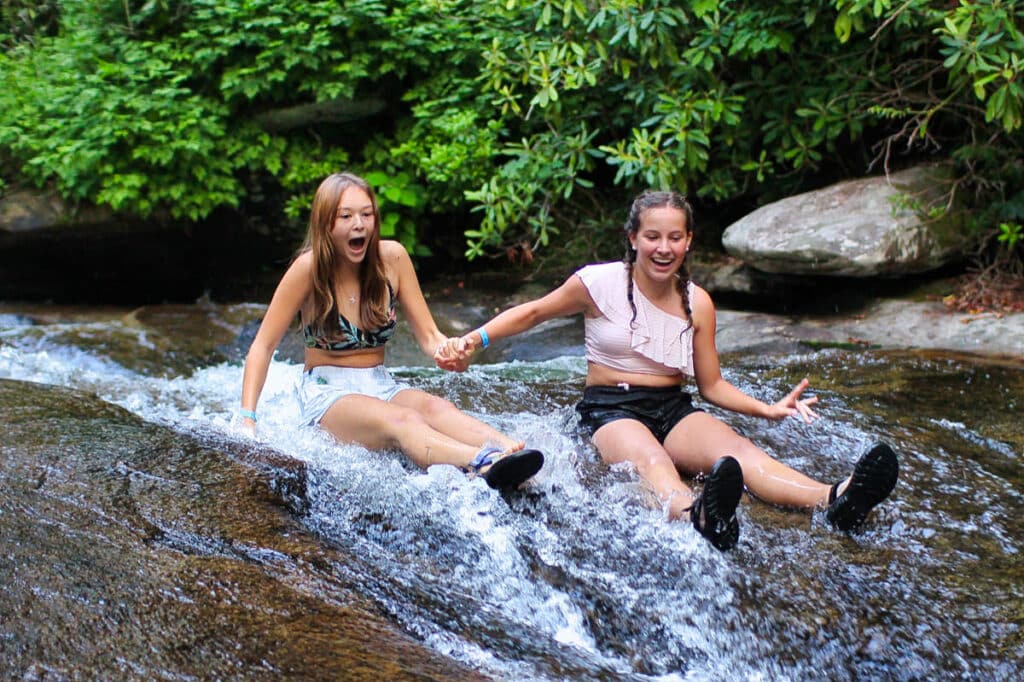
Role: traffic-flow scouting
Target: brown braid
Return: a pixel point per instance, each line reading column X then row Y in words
column 646, row 201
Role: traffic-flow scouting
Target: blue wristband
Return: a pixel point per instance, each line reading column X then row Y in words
column 484, row 339
column 248, row 414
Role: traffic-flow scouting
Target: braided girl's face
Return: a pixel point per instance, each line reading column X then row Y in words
column 661, row 242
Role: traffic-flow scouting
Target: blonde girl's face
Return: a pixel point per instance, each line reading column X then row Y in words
column 354, row 223
column 661, row 242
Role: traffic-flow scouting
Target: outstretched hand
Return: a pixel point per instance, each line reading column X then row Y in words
column 793, row 406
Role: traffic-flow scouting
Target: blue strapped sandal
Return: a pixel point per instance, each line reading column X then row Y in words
column 506, row 471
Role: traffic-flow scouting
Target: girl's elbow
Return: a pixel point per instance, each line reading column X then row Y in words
column 258, row 353
column 529, row 320
column 706, row 389
column 531, row 316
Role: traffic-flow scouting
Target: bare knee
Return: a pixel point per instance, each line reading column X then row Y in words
column 398, row 424
column 748, row 454
column 434, row 407
column 651, row 460
column 406, row 417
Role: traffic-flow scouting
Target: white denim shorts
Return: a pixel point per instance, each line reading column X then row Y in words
column 320, row 387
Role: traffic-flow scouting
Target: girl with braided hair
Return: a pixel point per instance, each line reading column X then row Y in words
column 648, row 328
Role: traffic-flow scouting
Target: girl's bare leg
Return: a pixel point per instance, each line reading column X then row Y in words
column 449, row 420
column 696, row 443
column 379, row 425
column 627, row 440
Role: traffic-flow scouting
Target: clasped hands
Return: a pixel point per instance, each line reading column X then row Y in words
column 453, row 354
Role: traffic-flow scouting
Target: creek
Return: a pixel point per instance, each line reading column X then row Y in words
column 144, row 537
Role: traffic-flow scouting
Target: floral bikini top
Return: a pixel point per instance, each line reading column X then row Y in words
column 351, row 336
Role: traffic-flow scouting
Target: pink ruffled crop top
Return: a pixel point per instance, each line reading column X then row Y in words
column 654, row 344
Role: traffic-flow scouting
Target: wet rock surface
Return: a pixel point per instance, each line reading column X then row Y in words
column 133, row 552
column 148, row 540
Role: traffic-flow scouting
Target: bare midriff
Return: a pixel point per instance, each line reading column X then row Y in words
column 361, row 358
column 599, row 375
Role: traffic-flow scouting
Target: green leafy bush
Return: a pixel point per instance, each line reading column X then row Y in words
column 542, row 117
column 725, row 99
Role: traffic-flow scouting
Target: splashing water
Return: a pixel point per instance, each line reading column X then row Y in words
column 581, row 576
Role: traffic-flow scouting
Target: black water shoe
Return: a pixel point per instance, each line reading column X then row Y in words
column 506, row 471
column 714, row 511
column 874, row 477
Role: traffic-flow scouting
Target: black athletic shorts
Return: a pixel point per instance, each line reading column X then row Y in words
column 659, row 409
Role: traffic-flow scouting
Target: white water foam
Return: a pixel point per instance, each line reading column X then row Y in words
column 493, row 568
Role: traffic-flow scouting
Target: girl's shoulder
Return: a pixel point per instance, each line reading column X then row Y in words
column 613, row 273
column 391, row 250
column 697, row 291
column 608, row 268
column 398, row 265
column 701, row 305
column 606, row 285
column 302, row 263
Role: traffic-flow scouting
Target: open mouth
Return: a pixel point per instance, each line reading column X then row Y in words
column 357, row 243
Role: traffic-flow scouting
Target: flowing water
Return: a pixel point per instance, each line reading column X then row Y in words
column 146, row 538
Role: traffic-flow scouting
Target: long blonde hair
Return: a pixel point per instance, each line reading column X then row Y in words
column 373, row 294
